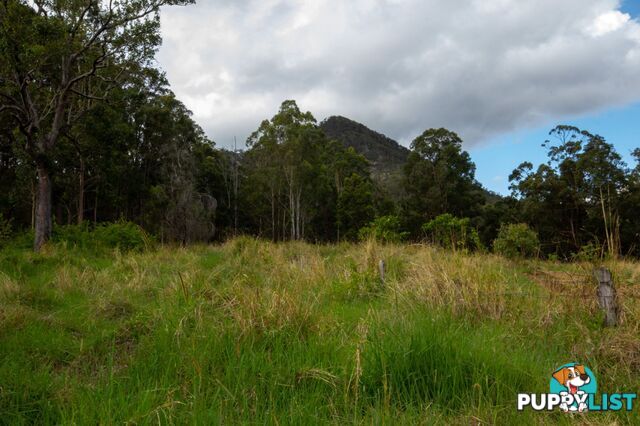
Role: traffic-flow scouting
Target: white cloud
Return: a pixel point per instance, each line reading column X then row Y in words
column 608, row 22
column 479, row 67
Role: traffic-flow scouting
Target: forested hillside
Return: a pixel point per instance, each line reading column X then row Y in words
column 90, row 132
column 384, row 153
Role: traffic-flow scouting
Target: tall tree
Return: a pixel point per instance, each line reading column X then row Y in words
column 575, row 197
column 439, row 177
column 289, row 143
column 355, row 206
column 53, row 52
column 629, row 223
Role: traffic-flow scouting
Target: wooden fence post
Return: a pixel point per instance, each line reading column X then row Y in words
column 607, row 297
column 381, row 267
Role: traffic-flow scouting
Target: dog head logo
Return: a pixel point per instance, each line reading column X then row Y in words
column 573, row 378
column 573, row 382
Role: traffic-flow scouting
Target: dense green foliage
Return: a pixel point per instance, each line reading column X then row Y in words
column 355, row 206
column 385, row 229
column 6, row 229
column 516, row 240
column 439, row 178
column 580, row 196
column 301, row 184
column 452, row 232
column 58, row 59
column 124, row 236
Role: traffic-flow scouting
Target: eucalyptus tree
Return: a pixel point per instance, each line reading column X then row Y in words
column 287, row 146
column 54, row 52
column 629, row 223
column 576, row 197
column 298, row 181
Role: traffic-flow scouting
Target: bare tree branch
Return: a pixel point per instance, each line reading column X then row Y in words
column 14, row 108
column 95, row 66
column 89, row 96
column 80, row 20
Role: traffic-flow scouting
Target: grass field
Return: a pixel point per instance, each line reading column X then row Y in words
column 256, row 332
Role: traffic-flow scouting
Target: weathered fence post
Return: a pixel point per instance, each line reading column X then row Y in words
column 607, row 297
column 381, row 267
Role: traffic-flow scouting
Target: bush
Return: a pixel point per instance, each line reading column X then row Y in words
column 385, row 229
column 6, row 229
column 22, row 240
column 125, row 236
column 591, row 252
column 516, row 240
column 73, row 235
column 453, row 233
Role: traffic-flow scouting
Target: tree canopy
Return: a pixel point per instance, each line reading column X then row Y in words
column 57, row 58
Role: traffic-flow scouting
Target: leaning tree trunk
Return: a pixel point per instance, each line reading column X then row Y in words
column 43, row 206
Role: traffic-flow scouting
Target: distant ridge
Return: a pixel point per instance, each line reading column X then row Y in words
column 384, row 153
column 387, row 157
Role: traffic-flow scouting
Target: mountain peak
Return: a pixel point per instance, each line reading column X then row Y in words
column 383, row 152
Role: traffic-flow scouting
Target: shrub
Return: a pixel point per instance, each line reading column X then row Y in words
column 125, row 236
column 6, row 229
column 516, row 240
column 591, row 252
column 73, row 235
column 22, row 240
column 452, row 232
column 384, row 228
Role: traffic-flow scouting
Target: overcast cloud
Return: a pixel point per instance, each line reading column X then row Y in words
column 479, row 67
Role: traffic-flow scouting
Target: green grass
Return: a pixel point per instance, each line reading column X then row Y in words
column 262, row 333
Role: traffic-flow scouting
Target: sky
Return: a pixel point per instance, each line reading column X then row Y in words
column 501, row 73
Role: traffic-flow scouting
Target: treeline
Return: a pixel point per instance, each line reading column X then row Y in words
column 91, row 133
column 141, row 158
column 295, row 183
